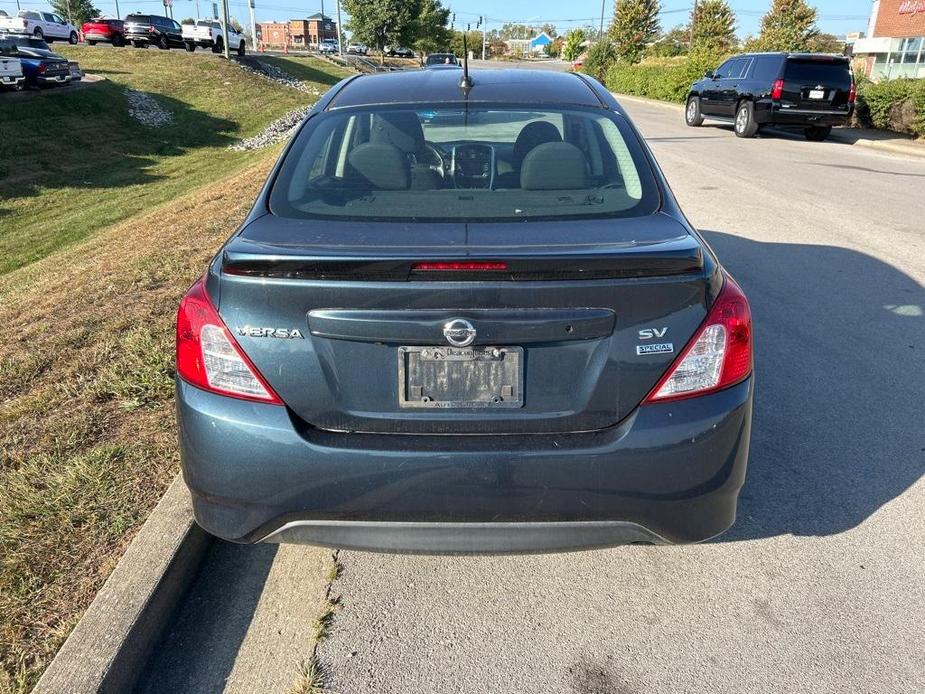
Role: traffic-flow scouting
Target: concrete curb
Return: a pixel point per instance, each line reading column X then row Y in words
column 111, row 643
column 896, row 146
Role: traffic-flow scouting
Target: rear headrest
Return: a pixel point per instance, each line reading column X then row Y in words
column 555, row 166
column 384, row 167
column 399, row 128
column 533, row 134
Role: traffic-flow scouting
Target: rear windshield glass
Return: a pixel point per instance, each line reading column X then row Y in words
column 441, row 59
column 453, row 164
column 835, row 73
column 139, row 18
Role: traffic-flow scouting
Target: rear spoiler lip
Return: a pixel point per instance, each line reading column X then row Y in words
column 644, row 261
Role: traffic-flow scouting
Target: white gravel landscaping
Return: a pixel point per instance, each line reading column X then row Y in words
column 275, row 74
column 145, row 109
column 277, row 131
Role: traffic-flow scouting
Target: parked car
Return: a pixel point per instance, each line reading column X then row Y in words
column 3, row 13
column 42, row 25
column 104, row 30
column 427, row 337
column 441, row 60
column 207, row 33
column 149, row 29
column 357, row 49
column 328, row 47
column 807, row 90
column 398, row 51
column 39, row 65
column 11, row 74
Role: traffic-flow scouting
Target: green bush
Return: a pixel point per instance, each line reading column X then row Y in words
column 668, row 79
column 600, row 56
column 897, row 105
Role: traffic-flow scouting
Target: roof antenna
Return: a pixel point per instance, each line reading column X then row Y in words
column 465, row 84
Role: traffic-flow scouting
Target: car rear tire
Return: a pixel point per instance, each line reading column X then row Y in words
column 73, row 38
column 219, row 46
column 190, row 47
column 692, row 115
column 139, row 44
column 163, row 43
column 118, row 41
column 817, row 133
column 241, row 48
column 39, row 34
column 745, row 125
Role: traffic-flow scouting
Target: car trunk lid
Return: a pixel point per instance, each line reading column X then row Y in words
column 352, row 334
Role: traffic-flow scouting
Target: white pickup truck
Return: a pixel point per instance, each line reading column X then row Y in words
column 11, row 76
column 41, row 25
column 207, row 33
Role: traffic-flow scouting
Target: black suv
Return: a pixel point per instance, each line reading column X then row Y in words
column 807, row 90
column 145, row 29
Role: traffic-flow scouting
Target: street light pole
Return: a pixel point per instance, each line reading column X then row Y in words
column 118, row 16
column 601, row 35
column 340, row 33
column 484, row 21
column 250, row 4
column 225, row 30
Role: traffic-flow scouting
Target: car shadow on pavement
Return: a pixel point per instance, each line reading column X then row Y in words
column 839, row 422
column 200, row 650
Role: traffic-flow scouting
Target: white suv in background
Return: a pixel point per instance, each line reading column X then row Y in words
column 41, row 25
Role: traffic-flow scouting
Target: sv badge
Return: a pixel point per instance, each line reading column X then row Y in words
column 652, row 333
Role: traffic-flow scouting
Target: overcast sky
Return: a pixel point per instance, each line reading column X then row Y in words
column 836, row 16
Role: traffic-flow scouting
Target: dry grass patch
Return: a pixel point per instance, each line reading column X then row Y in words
column 87, row 440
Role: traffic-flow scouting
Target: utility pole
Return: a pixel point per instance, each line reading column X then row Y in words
column 225, row 30
column 340, row 33
column 118, row 16
column 197, row 9
column 693, row 22
column 484, row 22
column 250, row 4
column 601, row 35
column 321, row 35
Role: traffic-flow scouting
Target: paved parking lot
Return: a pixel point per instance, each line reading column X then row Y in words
column 819, row 587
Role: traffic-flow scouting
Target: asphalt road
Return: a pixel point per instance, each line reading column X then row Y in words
column 820, row 585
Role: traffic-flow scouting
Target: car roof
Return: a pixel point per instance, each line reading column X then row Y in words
column 442, row 86
column 798, row 55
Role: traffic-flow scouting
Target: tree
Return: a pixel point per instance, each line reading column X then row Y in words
column 236, row 25
column 550, row 30
column 674, row 43
column 635, row 23
column 473, row 42
column 714, row 26
column 790, row 25
column 517, row 31
column 430, row 29
column 382, row 22
column 827, row 43
column 600, row 57
column 75, row 11
column 571, row 49
column 188, row 20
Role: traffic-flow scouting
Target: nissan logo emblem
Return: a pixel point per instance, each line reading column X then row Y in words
column 459, row 332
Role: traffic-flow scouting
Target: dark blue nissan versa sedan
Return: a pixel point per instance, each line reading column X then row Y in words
column 465, row 315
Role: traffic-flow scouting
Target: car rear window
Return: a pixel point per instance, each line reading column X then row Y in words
column 139, row 18
column 448, row 163
column 836, row 73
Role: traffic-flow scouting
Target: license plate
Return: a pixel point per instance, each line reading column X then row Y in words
column 816, row 94
column 458, row 377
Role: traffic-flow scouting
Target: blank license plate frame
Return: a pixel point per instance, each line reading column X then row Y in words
column 446, row 377
column 817, row 94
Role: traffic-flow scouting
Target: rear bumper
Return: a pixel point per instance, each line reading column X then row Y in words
column 11, row 80
column 53, row 79
column 670, row 473
column 803, row 117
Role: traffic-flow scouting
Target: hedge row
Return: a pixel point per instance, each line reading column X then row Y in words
column 668, row 79
column 892, row 105
column 897, row 105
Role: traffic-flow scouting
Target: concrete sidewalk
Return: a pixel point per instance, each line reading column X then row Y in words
column 859, row 137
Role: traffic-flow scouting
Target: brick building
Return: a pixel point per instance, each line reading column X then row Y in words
column 895, row 42
column 303, row 33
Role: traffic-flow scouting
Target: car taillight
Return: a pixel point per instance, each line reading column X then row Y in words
column 151, row 29
column 42, row 68
column 777, row 91
column 208, row 357
column 853, row 93
column 718, row 356
column 210, row 33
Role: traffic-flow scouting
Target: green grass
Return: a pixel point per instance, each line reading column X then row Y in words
column 72, row 159
column 103, row 224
